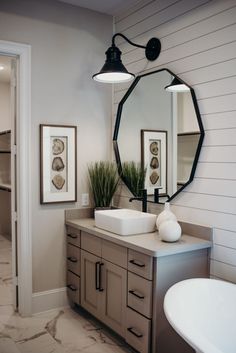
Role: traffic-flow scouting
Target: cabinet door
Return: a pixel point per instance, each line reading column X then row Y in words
column 90, row 286
column 114, row 279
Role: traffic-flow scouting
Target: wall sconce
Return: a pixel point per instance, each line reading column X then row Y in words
column 113, row 71
column 177, row 86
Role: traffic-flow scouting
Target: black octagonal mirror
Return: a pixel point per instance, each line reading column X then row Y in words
column 158, row 130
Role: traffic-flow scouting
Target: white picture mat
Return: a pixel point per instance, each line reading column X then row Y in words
column 155, row 135
column 47, row 132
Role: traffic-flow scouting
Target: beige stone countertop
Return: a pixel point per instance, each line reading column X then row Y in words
column 148, row 243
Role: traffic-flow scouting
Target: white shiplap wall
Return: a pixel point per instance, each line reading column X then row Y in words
column 199, row 44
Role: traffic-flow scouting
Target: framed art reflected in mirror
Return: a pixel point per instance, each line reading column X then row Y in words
column 154, row 159
column 58, row 167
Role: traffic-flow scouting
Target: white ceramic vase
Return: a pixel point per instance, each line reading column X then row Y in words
column 165, row 215
column 170, row 231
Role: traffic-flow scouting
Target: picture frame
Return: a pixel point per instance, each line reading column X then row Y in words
column 154, row 159
column 58, row 163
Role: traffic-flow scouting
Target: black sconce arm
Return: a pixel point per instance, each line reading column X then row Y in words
column 127, row 40
column 113, row 70
column 152, row 49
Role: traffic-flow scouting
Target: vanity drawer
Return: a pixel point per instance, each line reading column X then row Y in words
column 140, row 294
column 91, row 243
column 140, row 264
column 73, row 236
column 138, row 330
column 73, row 287
column 114, row 253
column 73, row 259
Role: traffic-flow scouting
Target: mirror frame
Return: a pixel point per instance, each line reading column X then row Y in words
column 118, row 120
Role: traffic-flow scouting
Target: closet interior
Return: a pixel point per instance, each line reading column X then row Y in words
column 6, row 290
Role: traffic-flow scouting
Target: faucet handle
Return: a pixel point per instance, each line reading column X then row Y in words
column 156, row 194
column 144, row 200
column 144, row 193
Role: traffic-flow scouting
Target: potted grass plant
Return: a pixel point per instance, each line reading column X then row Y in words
column 103, row 178
column 134, row 175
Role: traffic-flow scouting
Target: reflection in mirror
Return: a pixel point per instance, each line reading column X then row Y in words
column 188, row 134
column 161, row 131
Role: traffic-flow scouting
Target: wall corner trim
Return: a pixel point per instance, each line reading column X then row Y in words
column 48, row 300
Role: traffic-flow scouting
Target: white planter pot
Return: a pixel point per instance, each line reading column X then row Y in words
column 170, row 231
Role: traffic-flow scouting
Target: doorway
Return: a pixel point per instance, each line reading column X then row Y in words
column 8, row 227
column 20, row 199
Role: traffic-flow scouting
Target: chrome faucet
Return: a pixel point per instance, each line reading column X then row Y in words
column 142, row 198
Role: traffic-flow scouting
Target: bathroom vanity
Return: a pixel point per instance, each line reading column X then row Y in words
column 122, row 280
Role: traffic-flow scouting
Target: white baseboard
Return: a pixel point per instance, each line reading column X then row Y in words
column 48, row 300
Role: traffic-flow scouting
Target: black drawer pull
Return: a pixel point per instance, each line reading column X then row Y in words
column 72, row 287
column 136, row 294
column 73, row 236
column 131, row 330
column 72, row 259
column 137, row 263
column 100, row 277
column 97, row 275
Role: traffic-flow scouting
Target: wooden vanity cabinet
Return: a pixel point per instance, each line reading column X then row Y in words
column 73, row 265
column 103, row 283
column 139, row 301
column 90, row 293
column 113, row 283
column 125, row 288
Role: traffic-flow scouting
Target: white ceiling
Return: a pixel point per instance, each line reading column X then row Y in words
column 110, row 7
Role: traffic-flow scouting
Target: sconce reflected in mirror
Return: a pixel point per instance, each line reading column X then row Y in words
column 177, row 86
column 113, row 71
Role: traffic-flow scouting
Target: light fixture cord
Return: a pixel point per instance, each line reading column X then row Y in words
column 129, row 41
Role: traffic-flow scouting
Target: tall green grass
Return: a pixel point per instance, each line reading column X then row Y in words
column 103, row 179
column 134, row 176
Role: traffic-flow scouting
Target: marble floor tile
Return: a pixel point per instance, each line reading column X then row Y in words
column 41, row 343
column 6, row 294
column 78, row 334
column 5, row 263
column 59, row 331
column 5, row 243
column 7, row 345
column 56, row 331
column 6, row 311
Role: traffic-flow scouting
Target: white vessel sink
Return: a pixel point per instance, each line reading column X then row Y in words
column 203, row 312
column 125, row 221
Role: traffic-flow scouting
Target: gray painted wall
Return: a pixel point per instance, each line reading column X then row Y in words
column 68, row 45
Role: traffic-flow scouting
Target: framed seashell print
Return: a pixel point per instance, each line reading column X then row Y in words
column 58, row 167
column 154, row 159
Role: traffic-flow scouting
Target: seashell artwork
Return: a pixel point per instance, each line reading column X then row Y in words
column 58, row 181
column 57, row 164
column 154, row 148
column 58, row 146
column 154, row 158
column 154, row 164
column 154, row 178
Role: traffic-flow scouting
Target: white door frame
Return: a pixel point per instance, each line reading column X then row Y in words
column 23, row 51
